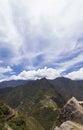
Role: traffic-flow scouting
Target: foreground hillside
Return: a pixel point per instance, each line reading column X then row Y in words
column 69, row 118
column 11, row 119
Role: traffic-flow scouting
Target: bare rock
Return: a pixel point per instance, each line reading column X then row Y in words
column 72, row 111
column 68, row 125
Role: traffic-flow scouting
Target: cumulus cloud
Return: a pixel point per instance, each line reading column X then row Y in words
column 5, row 69
column 48, row 73
column 76, row 74
column 35, row 34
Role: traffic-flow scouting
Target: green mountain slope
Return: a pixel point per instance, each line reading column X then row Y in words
column 68, row 88
column 37, row 100
column 11, row 119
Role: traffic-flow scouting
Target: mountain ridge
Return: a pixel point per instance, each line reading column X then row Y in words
column 12, row 83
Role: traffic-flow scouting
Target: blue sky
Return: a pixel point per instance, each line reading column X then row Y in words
column 41, row 38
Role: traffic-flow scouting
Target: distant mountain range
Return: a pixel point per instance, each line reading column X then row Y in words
column 66, row 87
column 63, row 86
column 12, row 83
column 41, row 100
column 18, row 90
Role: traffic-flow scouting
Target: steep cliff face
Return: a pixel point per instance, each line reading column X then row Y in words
column 71, row 116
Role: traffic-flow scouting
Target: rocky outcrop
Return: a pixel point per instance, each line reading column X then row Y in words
column 81, row 103
column 68, row 125
column 72, row 111
column 71, row 116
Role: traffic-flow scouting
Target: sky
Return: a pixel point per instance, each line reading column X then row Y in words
column 41, row 38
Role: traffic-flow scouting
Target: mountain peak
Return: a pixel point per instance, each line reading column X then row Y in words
column 63, row 79
column 43, row 79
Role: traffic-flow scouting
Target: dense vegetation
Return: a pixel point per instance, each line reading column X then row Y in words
column 4, row 112
column 41, row 119
column 10, row 118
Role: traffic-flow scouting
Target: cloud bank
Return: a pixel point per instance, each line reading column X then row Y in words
column 41, row 33
column 48, row 73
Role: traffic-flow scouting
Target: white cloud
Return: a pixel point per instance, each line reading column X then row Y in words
column 50, row 28
column 76, row 74
column 1, row 61
column 48, row 73
column 5, row 69
column 7, row 26
column 71, row 63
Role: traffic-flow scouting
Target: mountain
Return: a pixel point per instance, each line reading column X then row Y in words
column 63, row 86
column 71, row 116
column 68, row 88
column 12, row 83
column 42, row 100
column 36, row 99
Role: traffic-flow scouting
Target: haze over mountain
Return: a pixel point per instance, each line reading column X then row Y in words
column 12, row 83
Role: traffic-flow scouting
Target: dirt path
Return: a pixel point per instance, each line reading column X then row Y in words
column 13, row 113
column 8, row 127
